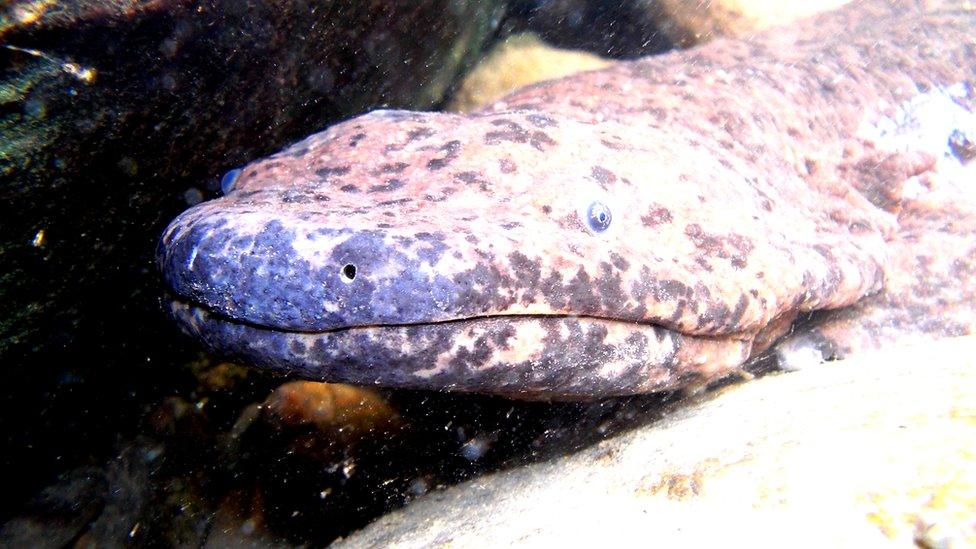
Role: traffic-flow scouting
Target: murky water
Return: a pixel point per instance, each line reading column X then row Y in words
column 117, row 428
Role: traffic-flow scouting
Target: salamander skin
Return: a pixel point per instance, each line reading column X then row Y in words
column 635, row 229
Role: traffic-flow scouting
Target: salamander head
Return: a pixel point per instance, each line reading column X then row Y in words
column 318, row 241
column 416, row 250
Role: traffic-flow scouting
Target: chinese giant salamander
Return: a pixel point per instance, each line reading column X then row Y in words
column 634, row 229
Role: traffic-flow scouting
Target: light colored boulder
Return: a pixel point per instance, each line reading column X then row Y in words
column 689, row 23
column 871, row 451
column 518, row 61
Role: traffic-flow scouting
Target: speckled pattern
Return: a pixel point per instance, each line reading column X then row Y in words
column 749, row 183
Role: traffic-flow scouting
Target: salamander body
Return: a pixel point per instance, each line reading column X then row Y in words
column 633, row 229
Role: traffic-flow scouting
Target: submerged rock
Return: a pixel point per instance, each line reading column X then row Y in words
column 868, row 451
column 520, row 60
column 631, row 28
column 690, row 23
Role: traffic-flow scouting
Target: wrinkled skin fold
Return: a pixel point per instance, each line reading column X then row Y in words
column 819, row 170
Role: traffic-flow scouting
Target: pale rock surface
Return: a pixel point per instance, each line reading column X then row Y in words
column 876, row 450
column 520, row 60
column 689, row 23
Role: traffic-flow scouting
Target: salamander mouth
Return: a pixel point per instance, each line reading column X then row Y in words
column 182, row 304
column 525, row 356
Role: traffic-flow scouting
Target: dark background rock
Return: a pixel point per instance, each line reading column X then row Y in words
column 622, row 29
column 634, row 28
column 116, row 114
column 213, row 470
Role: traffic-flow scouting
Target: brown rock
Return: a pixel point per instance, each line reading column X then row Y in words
column 333, row 407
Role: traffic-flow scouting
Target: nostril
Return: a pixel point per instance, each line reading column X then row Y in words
column 348, row 273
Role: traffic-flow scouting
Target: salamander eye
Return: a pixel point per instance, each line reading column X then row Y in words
column 348, row 273
column 228, row 180
column 598, row 217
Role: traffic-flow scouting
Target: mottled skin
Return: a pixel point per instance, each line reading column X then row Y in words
column 750, row 183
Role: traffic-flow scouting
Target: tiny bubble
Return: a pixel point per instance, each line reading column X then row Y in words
column 475, row 449
column 35, row 108
column 192, row 196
